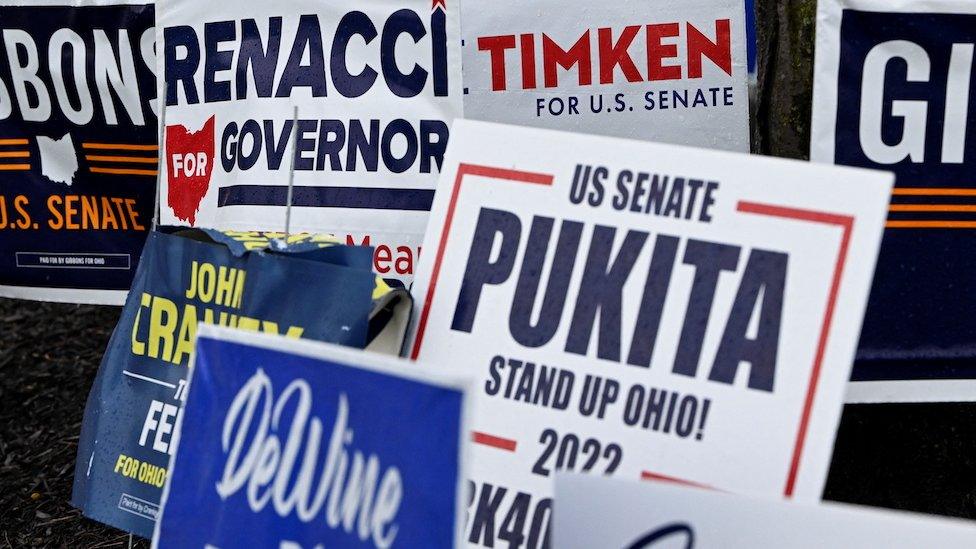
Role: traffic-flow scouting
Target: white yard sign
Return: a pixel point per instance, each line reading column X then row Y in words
column 673, row 72
column 612, row 514
column 643, row 310
column 376, row 86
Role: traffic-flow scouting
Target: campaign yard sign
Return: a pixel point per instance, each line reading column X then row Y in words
column 376, row 85
column 673, row 72
column 77, row 147
column 301, row 444
column 127, row 434
column 594, row 512
column 893, row 91
column 643, row 311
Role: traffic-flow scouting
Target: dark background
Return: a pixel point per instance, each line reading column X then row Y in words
column 920, row 457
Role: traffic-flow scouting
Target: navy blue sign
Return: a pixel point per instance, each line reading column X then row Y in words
column 78, row 148
column 905, row 104
column 127, row 435
column 284, row 450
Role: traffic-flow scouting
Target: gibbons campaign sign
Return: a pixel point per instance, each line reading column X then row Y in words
column 642, row 311
column 674, row 72
column 300, row 444
column 596, row 512
column 376, row 85
column 893, row 91
column 127, row 434
column 77, row 147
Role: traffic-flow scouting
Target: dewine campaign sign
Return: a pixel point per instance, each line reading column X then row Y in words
column 642, row 311
column 376, row 85
column 297, row 444
column 673, row 72
column 893, row 91
column 77, row 147
column 127, row 434
column 594, row 512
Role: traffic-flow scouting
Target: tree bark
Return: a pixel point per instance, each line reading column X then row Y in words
column 785, row 40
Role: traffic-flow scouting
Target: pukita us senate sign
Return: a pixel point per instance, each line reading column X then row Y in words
column 643, row 311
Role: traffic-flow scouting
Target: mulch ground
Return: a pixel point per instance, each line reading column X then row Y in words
column 49, row 354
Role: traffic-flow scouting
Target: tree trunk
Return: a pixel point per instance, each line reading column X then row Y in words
column 785, row 39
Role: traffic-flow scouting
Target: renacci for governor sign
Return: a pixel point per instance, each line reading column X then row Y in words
column 376, row 85
column 642, row 311
column 893, row 91
column 77, row 147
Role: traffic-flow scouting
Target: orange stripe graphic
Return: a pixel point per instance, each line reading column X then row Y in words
column 15, row 154
column 934, row 191
column 932, row 208
column 13, row 141
column 134, row 159
column 123, row 171
column 931, row 224
column 120, row 146
column 14, row 167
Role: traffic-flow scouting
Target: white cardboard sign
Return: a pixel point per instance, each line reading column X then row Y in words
column 594, row 512
column 376, row 86
column 643, row 310
column 673, row 72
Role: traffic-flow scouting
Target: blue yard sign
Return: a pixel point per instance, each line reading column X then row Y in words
column 184, row 280
column 893, row 91
column 289, row 443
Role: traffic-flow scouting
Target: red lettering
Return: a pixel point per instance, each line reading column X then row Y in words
column 578, row 54
column 406, row 259
column 613, row 55
column 496, row 46
column 382, row 258
column 656, row 52
column 350, row 241
column 720, row 51
column 528, row 61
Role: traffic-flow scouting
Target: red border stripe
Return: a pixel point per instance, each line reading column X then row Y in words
column 846, row 222
column 650, row 475
column 493, row 441
column 463, row 170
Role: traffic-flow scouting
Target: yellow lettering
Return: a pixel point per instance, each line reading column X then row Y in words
column 225, row 286
column 239, row 290
column 162, row 323
column 188, row 334
column 248, row 323
column 192, row 290
column 139, row 347
column 206, row 282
